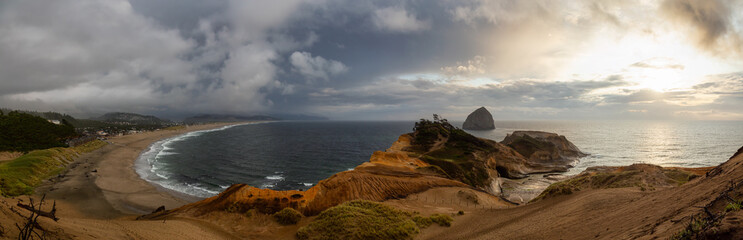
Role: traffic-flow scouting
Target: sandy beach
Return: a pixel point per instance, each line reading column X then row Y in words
column 103, row 184
column 100, row 194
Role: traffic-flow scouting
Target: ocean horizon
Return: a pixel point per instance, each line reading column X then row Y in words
column 284, row 155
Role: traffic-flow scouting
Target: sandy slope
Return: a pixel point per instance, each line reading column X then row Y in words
column 623, row 213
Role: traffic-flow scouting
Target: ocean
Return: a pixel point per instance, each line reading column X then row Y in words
column 296, row 155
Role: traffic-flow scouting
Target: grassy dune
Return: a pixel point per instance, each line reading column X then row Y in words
column 361, row 219
column 21, row 175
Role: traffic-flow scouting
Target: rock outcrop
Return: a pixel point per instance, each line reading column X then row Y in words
column 543, row 148
column 480, row 119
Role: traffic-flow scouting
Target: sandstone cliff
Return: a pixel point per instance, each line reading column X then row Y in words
column 480, row 119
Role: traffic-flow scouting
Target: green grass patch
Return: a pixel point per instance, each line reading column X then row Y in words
column 21, row 175
column 734, row 206
column 693, row 229
column 174, row 128
column 287, row 216
column 678, row 177
column 361, row 219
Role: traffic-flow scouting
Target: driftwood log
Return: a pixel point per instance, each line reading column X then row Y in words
column 28, row 231
column 51, row 214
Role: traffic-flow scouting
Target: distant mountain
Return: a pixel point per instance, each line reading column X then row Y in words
column 208, row 118
column 132, row 119
column 299, row 117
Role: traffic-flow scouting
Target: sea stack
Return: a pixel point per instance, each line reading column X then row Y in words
column 480, row 119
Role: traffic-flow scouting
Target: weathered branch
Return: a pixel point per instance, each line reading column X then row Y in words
column 50, row 214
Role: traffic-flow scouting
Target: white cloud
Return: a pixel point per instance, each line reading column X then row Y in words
column 398, row 20
column 90, row 47
column 316, row 67
column 474, row 66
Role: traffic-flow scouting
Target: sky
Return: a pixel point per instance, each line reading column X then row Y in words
column 376, row 60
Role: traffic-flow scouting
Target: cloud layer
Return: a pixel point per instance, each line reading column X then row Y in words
column 375, row 59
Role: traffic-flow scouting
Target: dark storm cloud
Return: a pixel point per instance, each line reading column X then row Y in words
column 712, row 20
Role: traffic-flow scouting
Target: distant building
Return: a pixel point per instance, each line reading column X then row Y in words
column 55, row 121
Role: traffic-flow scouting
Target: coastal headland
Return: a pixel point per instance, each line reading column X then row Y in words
column 434, row 170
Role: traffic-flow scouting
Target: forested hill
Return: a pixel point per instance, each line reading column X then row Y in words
column 132, row 119
column 25, row 132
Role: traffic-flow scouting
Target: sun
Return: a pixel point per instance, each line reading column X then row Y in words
column 659, row 78
column 660, row 62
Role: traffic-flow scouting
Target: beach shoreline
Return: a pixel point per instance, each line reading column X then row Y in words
column 104, row 184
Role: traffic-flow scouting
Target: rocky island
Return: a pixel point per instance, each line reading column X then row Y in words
column 480, row 119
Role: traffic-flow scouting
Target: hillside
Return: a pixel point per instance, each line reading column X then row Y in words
column 24, row 132
column 77, row 123
column 132, row 119
column 609, row 205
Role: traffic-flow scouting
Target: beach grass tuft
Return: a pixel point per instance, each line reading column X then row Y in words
column 287, row 216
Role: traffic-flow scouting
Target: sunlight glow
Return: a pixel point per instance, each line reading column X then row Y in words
column 661, row 62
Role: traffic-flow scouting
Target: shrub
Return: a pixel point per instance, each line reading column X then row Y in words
column 440, row 219
column 287, row 216
column 422, row 222
column 360, row 219
column 693, row 229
